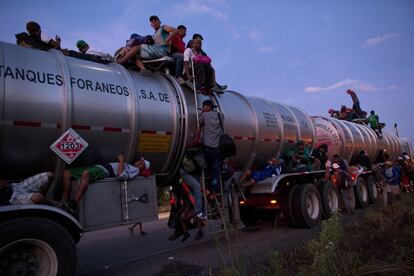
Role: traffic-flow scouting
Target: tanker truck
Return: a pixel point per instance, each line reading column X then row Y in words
column 116, row 111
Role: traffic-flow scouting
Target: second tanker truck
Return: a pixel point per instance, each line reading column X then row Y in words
column 43, row 94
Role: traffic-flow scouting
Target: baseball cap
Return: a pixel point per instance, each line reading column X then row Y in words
column 81, row 43
column 146, row 163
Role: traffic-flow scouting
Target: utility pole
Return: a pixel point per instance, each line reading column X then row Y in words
column 396, row 130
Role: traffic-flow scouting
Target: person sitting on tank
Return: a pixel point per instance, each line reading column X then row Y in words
column 38, row 38
column 177, row 52
column 363, row 160
column 84, row 48
column 134, row 40
column 160, row 48
column 32, row 190
column 273, row 167
column 204, row 75
column 202, row 52
column 355, row 104
column 320, row 155
column 347, row 114
column 121, row 170
column 298, row 158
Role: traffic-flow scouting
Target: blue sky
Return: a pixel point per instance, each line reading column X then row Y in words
column 303, row 53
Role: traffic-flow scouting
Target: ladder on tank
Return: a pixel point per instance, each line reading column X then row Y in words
column 222, row 200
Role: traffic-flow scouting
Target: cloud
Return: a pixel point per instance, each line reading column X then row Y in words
column 266, row 49
column 349, row 83
column 200, row 7
column 255, row 34
column 373, row 41
column 392, row 87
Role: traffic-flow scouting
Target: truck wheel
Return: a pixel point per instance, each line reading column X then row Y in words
column 372, row 189
column 329, row 197
column 306, row 206
column 287, row 205
column 361, row 193
column 248, row 215
column 36, row 246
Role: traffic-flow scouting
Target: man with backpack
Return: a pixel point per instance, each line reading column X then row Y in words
column 392, row 175
column 211, row 128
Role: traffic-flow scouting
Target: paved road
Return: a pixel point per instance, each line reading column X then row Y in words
column 116, row 252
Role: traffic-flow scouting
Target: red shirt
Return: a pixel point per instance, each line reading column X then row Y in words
column 177, row 44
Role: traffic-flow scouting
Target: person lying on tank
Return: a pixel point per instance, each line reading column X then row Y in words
column 334, row 113
column 121, row 170
column 39, row 39
column 160, row 48
column 273, row 167
column 32, row 190
column 84, row 48
column 204, row 74
column 355, row 104
column 134, row 40
column 299, row 158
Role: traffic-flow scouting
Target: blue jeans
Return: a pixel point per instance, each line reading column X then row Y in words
column 195, row 186
column 212, row 156
column 179, row 64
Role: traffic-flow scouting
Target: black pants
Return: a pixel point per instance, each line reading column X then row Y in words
column 204, row 75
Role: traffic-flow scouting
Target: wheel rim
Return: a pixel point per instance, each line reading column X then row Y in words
column 312, row 205
column 333, row 200
column 28, row 257
column 364, row 192
column 374, row 190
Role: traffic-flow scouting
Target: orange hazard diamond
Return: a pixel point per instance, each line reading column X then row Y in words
column 69, row 146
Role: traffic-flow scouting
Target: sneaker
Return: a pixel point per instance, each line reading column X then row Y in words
column 217, row 90
column 221, row 87
column 201, row 216
column 199, row 235
column 186, row 235
column 175, row 236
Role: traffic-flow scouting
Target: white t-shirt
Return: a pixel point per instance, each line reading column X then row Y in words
column 45, row 38
column 188, row 54
column 99, row 53
column 129, row 172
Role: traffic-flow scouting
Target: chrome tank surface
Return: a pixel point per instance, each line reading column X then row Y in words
column 348, row 139
column 42, row 94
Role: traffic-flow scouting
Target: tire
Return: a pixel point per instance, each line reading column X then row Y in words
column 287, row 206
column 361, row 193
column 372, row 189
column 248, row 216
column 329, row 197
column 306, row 206
column 36, row 246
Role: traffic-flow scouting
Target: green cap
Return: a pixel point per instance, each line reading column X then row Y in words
column 81, row 44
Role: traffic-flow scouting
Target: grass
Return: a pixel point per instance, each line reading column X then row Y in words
column 380, row 242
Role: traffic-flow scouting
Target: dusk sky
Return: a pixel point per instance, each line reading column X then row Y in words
column 303, row 53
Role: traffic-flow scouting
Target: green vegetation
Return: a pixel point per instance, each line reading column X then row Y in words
column 380, row 242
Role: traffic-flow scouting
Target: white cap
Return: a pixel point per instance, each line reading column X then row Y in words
column 146, row 163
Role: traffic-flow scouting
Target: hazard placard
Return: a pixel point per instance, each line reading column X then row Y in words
column 69, row 146
column 154, row 142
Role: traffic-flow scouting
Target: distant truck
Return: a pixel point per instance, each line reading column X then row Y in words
column 116, row 111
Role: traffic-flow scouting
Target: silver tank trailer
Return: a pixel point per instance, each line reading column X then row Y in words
column 42, row 94
column 348, row 139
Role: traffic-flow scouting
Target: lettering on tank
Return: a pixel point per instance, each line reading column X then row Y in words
column 153, row 96
column 271, row 120
column 325, row 134
column 33, row 76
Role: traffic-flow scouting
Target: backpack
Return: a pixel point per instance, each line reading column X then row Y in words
column 226, row 143
column 194, row 160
